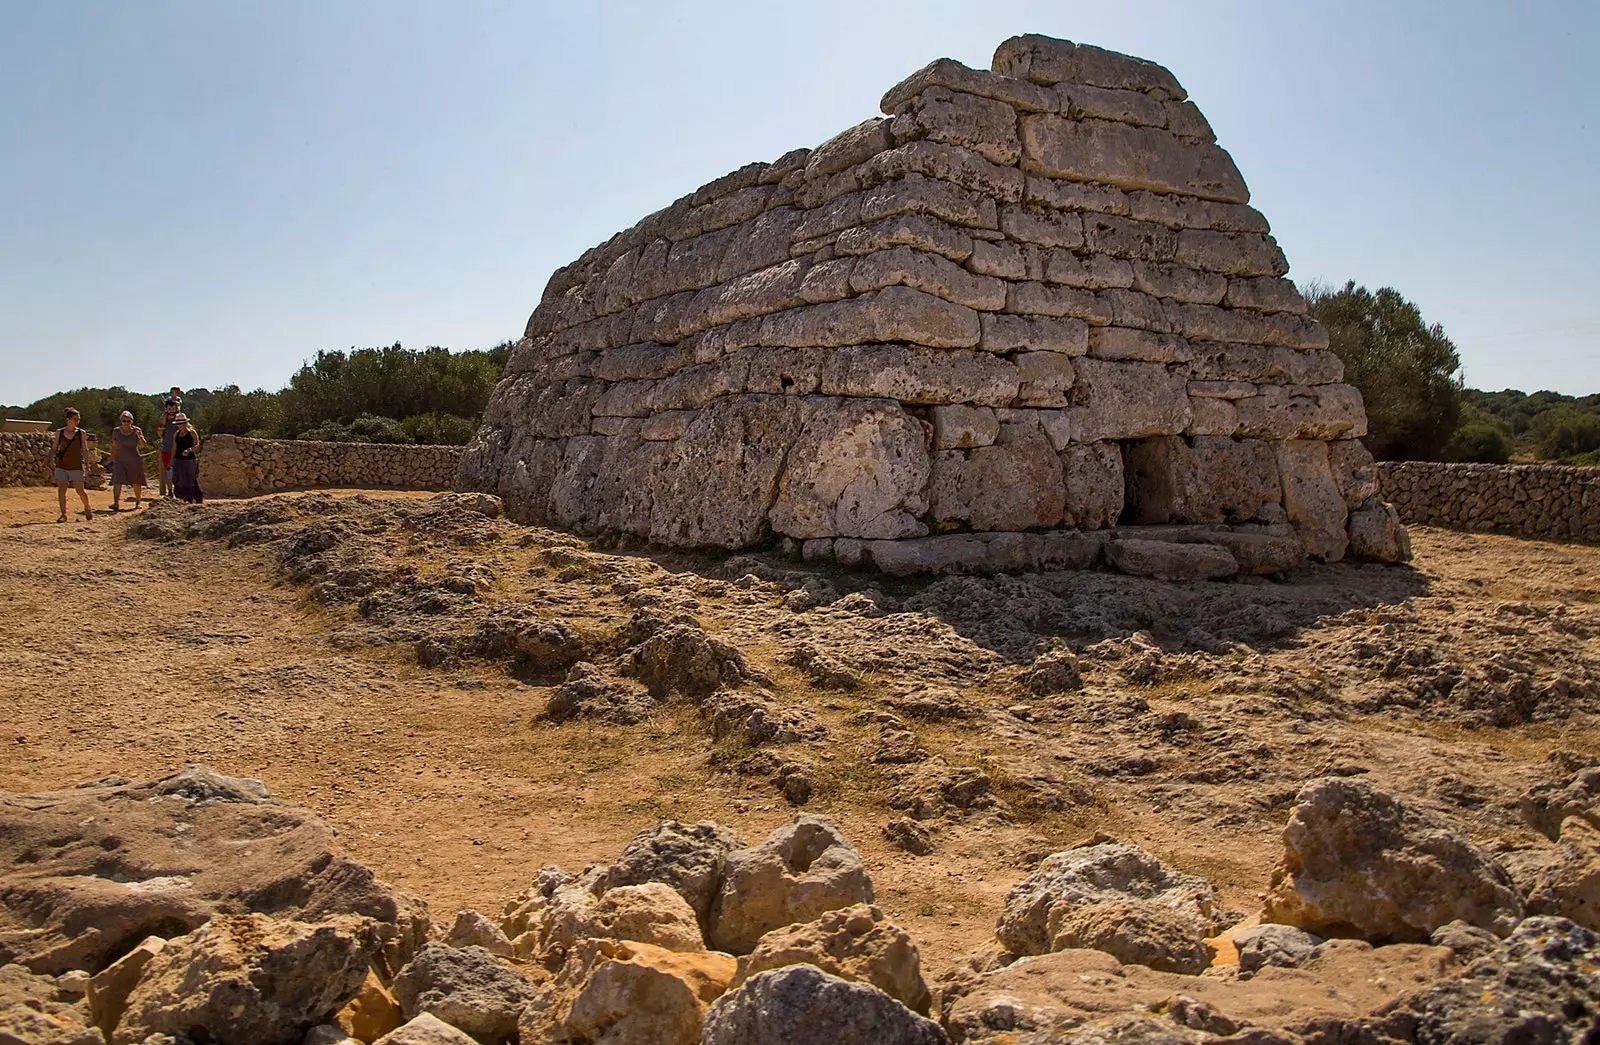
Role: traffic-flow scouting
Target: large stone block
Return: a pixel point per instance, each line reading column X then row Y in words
column 950, row 163
column 1263, row 364
column 914, row 375
column 892, row 314
column 911, row 230
column 986, row 126
column 959, row 427
column 857, row 469
column 1009, row 333
column 715, row 485
column 1046, row 60
column 1045, row 378
column 1206, row 479
column 1016, row 484
column 1311, row 497
column 1048, row 299
column 1190, row 212
column 1113, row 400
column 1129, row 157
column 1083, row 102
column 947, row 72
column 1042, row 226
column 1093, row 474
column 1179, row 283
column 916, row 194
column 1074, row 195
column 848, row 148
column 906, row 266
column 1303, row 412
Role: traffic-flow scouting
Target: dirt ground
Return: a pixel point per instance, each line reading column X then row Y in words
column 1202, row 711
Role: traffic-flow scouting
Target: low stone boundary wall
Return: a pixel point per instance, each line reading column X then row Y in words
column 237, row 466
column 24, row 458
column 1548, row 501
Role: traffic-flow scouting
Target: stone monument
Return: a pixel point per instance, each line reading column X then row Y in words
column 1028, row 320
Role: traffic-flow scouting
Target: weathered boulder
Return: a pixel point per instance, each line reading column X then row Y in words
column 372, row 1013
column 800, row 871
column 1171, row 561
column 1377, row 534
column 472, row 929
column 162, row 857
column 644, row 995
column 1056, row 671
column 802, row 1005
column 20, row 1025
column 687, row 857
column 426, row 1029
column 651, row 912
column 1547, row 806
column 854, row 943
column 247, row 979
column 1359, row 862
column 1135, row 932
column 1086, row 995
column 1540, row 985
column 1095, row 874
column 1267, row 944
column 587, row 693
column 1570, row 886
column 468, row 988
column 109, row 988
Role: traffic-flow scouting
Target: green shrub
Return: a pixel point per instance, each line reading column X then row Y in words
column 1405, row 368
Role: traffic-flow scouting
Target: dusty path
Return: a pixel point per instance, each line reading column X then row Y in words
column 135, row 658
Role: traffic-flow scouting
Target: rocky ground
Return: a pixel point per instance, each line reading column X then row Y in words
column 465, row 701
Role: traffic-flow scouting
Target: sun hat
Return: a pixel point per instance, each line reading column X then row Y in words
column 182, row 418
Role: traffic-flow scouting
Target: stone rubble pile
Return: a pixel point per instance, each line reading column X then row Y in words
column 1548, row 501
column 238, row 466
column 24, row 458
column 1030, row 305
column 196, row 909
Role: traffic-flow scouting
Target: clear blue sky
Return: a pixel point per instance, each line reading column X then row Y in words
column 206, row 193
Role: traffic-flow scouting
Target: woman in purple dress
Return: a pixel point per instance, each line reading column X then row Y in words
column 126, row 467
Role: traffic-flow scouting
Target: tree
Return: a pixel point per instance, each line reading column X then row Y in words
column 1406, row 369
column 1566, row 432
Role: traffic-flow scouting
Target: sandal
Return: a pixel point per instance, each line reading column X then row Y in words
column 63, row 518
column 88, row 515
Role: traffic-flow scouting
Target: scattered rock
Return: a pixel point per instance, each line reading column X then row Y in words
column 801, row 870
column 472, row 929
column 651, row 912
column 646, row 995
column 1051, row 673
column 468, row 988
column 823, row 670
column 687, row 857
column 682, row 658
column 20, row 1025
column 109, row 988
column 1467, row 941
column 587, row 693
column 1359, row 862
column 247, row 979
column 1546, row 805
column 1135, row 932
column 1542, row 984
column 426, row 1029
column 753, row 719
column 372, row 1013
column 1282, row 946
column 802, row 1005
column 854, row 943
column 1094, row 874
column 908, row 836
column 1570, row 886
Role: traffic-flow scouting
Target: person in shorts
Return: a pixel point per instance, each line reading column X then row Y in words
column 167, row 431
column 71, row 458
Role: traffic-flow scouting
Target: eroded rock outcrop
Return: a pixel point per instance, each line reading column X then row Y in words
column 1024, row 301
column 1359, row 862
column 92, row 871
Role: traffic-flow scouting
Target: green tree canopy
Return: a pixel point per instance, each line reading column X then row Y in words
column 1406, row 369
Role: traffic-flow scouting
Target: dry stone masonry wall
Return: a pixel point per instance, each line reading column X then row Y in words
column 24, row 458
column 1027, row 312
column 236, row 466
column 1549, row 501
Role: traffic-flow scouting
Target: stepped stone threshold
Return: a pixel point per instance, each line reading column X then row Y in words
column 1028, row 321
